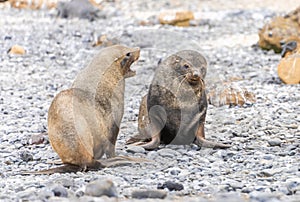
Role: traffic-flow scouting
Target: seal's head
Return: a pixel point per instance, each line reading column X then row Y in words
column 128, row 56
column 196, row 59
column 187, row 71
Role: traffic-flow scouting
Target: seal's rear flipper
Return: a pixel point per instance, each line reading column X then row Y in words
column 122, row 160
column 67, row 168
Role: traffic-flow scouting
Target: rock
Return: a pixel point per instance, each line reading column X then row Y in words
column 26, row 156
column 66, row 182
column 280, row 30
column 25, row 4
column 135, row 149
column 230, row 94
column 293, row 185
column 101, row 187
column 172, row 186
column 77, row 9
column 179, row 18
column 60, row 191
column 104, row 41
column 263, row 196
column 274, row 142
column 16, row 50
column 269, row 172
column 37, row 138
column 166, row 152
column 289, row 67
column 142, row 194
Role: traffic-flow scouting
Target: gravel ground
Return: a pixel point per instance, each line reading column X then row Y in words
column 263, row 162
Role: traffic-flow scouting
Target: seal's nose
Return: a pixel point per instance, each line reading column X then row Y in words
column 196, row 73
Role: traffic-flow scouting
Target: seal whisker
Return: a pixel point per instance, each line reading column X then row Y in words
column 184, row 79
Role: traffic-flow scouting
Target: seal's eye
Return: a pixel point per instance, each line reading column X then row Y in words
column 128, row 54
column 186, row 66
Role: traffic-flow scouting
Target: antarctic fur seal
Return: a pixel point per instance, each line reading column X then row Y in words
column 84, row 120
column 174, row 110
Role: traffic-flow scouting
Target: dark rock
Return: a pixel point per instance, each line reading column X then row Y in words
column 26, row 156
column 172, row 186
column 60, row 191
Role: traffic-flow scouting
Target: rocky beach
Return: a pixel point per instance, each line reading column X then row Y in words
column 263, row 164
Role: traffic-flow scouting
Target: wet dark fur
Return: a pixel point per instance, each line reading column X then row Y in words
column 174, row 110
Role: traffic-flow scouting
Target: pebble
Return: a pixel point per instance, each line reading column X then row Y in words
column 135, row 149
column 166, row 152
column 60, row 191
column 36, row 139
column 101, row 188
column 270, row 172
column 172, row 186
column 26, row 156
column 274, row 142
column 29, row 82
column 144, row 194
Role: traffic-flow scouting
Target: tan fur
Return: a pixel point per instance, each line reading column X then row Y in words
column 83, row 121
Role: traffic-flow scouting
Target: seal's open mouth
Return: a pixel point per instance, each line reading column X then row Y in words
column 133, row 56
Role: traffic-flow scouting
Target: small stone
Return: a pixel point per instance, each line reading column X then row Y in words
column 289, row 69
column 101, row 187
column 26, row 156
column 166, row 152
column 263, row 196
column 293, row 185
column 269, row 172
column 142, row 194
column 179, row 18
column 275, row 142
column 36, row 139
column 60, row 191
column 152, row 155
column 16, row 50
column 172, row 186
column 135, row 149
column 66, row 182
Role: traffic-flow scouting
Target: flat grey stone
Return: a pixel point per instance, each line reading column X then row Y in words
column 101, row 188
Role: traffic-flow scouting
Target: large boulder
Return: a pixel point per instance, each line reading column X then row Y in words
column 279, row 31
column 289, row 66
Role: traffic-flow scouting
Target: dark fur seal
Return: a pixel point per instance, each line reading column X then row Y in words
column 174, row 110
column 83, row 121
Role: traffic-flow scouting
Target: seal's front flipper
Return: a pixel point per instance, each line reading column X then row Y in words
column 153, row 144
column 139, row 138
column 121, row 160
column 202, row 142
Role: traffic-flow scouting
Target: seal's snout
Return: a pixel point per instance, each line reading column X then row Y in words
column 130, row 57
column 196, row 74
column 193, row 77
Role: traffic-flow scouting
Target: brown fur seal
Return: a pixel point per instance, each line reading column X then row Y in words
column 174, row 110
column 83, row 121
